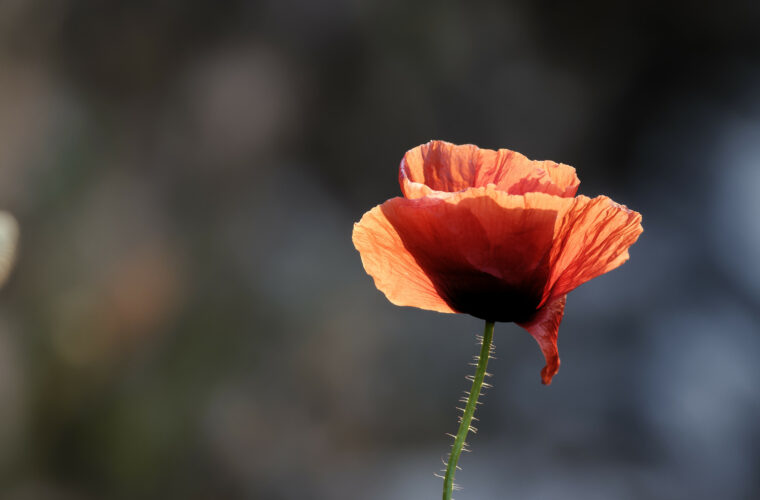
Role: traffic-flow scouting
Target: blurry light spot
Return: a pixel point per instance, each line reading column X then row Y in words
column 735, row 229
column 701, row 396
column 8, row 239
column 241, row 102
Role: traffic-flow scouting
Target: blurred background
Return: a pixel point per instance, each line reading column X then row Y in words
column 188, row 317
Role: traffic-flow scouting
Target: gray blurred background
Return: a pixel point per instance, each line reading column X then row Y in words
column 188, row 317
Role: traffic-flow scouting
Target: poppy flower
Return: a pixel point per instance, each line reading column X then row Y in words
column 494, row 235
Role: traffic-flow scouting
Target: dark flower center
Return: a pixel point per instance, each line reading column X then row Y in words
column 487, row 297
column 483, row 259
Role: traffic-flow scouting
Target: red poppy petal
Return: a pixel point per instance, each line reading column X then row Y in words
column 563, row 177
column 439, row 166
column 591, row 239
column 393, row 268
column 544, row 327
column 485, row 252
column 559, row 180
column 446, row 167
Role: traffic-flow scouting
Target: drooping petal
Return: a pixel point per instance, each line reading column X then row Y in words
column 591, row 238
column 544, row 328
column 486, row 253
column 445, row 167
column 394, row 270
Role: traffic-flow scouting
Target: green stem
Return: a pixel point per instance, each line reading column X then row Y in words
column 469, row 411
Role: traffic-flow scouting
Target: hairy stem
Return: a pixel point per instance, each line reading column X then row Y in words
column 469, row 411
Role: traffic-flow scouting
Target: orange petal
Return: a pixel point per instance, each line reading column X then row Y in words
column 563, row 177
column 544, row 327
column 560, row 179
column 591, row 238
column 446, row 167
column 393, row 268
column 486, row 253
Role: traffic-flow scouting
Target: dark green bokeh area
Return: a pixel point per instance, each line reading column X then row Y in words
column 189, row 319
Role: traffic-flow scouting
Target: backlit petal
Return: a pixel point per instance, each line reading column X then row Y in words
column 485, row 252
column 591, row 238
column 393, row 268
column 544, row 327
column 442, row 166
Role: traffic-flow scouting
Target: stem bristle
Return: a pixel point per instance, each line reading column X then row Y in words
column 468, row 412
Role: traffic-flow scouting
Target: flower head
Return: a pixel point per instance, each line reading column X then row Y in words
column 494, row 235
